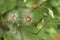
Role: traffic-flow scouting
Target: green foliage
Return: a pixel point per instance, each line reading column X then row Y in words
column 29, row 19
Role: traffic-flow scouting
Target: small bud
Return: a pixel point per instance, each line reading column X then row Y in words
column 28, row 18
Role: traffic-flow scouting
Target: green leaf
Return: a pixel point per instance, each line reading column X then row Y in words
column 11, row 4
column 3, row 7
column 28, row 36
column 55, row 3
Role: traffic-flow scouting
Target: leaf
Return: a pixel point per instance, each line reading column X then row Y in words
column 11, row 4
column 28, row 35
column 3, row 7
column 55, row 3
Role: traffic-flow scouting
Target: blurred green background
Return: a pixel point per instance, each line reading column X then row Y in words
column 29, row 19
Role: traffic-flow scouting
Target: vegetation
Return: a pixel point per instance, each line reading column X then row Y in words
column 29, row 19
